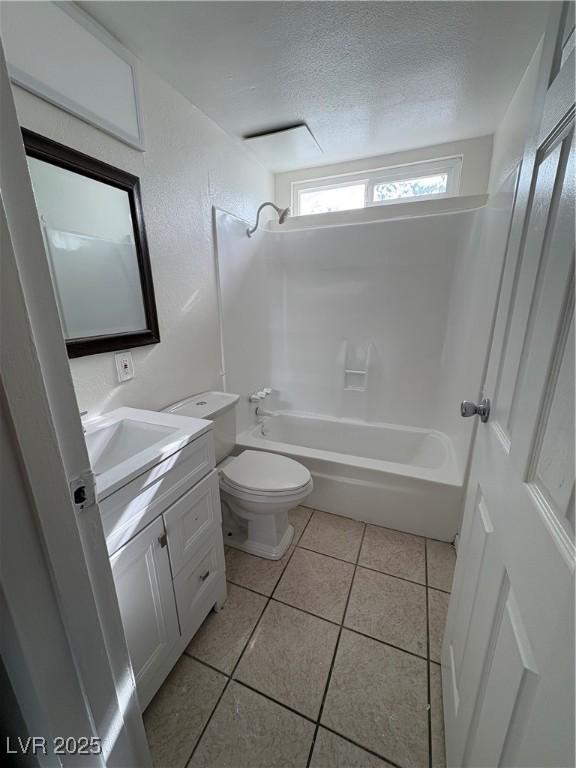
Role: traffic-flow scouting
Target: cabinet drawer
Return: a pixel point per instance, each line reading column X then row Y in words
column 191, row 519
column 200, row 584
column 132, row 507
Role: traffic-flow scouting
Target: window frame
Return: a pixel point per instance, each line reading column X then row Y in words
column 356, row 182
column 452, row 166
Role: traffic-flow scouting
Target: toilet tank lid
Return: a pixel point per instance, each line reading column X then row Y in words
column 205, row 405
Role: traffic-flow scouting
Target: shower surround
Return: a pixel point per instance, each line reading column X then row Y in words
column 348, row 324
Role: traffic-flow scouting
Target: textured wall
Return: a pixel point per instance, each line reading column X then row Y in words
column 244, row 287
column 189, row 165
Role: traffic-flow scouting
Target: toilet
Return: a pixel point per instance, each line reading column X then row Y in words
column 257, row 488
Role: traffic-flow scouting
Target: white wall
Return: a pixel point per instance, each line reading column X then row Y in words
column 511, row 135
column 189, row 165
column 244, row 290
column 476, row 154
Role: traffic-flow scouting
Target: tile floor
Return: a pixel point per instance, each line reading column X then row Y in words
column 327, row 658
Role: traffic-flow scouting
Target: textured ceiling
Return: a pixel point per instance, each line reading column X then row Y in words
column 368, row 77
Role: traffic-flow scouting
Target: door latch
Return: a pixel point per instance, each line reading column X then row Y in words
column 83, row 490
column 80, row 494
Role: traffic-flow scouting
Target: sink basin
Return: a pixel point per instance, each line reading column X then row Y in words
column 127, row 442
column 111, row 445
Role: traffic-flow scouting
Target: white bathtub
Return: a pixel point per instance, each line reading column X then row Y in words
column 399, row 477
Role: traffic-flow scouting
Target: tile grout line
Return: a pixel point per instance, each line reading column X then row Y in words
column 271, row 598
column 336, row 646
column 363, row 567
column 341, row 626
column 386, row 760
column 314, row 722
column 268, row 598
column 276, row 701
column 222, row 692
column 428, row 659
column 423, row 656
column 230, row 677
column 309, row 719
column 375, row 570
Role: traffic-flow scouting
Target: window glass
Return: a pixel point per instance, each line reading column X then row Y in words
column 335, row 199
column 425, row 185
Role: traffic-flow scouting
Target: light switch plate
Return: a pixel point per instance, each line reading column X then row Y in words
column 124, row 365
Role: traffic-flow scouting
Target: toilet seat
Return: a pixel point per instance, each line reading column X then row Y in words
column 266, row 498
column 259, row 473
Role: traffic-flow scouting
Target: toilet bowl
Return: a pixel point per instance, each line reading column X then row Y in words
column 258, row 489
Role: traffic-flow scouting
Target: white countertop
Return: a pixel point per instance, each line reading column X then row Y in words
column 127, row 442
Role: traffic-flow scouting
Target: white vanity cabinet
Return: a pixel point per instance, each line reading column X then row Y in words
column 164, row 537
column 143, row 582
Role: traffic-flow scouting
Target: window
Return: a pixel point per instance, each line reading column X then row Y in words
column 436, row 178
column 343, row 197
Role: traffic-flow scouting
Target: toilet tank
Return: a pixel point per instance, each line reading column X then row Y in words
column 219, row 407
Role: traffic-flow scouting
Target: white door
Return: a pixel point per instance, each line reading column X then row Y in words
column 143, row 580
column 63, row 646
column 508, row 653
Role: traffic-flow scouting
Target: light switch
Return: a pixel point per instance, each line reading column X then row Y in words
column 124, row 365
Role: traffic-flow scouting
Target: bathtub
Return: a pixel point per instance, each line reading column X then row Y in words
column 404, row 478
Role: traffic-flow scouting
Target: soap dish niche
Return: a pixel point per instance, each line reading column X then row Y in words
column 356, row 366
column 356, row 380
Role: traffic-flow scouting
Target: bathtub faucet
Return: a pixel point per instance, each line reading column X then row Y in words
column 262, row 394
column 262, row 412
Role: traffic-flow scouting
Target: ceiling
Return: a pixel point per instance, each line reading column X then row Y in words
column 368, row 78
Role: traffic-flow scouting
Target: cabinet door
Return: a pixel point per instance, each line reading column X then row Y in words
column 144, row 587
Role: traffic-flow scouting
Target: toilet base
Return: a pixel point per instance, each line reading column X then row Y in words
column 238, row 538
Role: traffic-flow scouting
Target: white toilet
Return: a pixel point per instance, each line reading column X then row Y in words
column 257, row 488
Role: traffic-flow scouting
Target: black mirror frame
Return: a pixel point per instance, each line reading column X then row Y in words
column 58, row 154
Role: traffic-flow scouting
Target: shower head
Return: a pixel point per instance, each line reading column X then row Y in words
column 283, row 214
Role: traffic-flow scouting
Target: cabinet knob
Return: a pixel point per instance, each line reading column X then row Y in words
column 163, row 540
column 204, row 576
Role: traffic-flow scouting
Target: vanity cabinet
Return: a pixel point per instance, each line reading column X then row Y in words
column 164, row 536
column 141, row 571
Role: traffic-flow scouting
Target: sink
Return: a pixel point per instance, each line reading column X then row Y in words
column 111, row 445
column 127, row 442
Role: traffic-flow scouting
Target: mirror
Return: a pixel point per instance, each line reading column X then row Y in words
column 93, row 230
